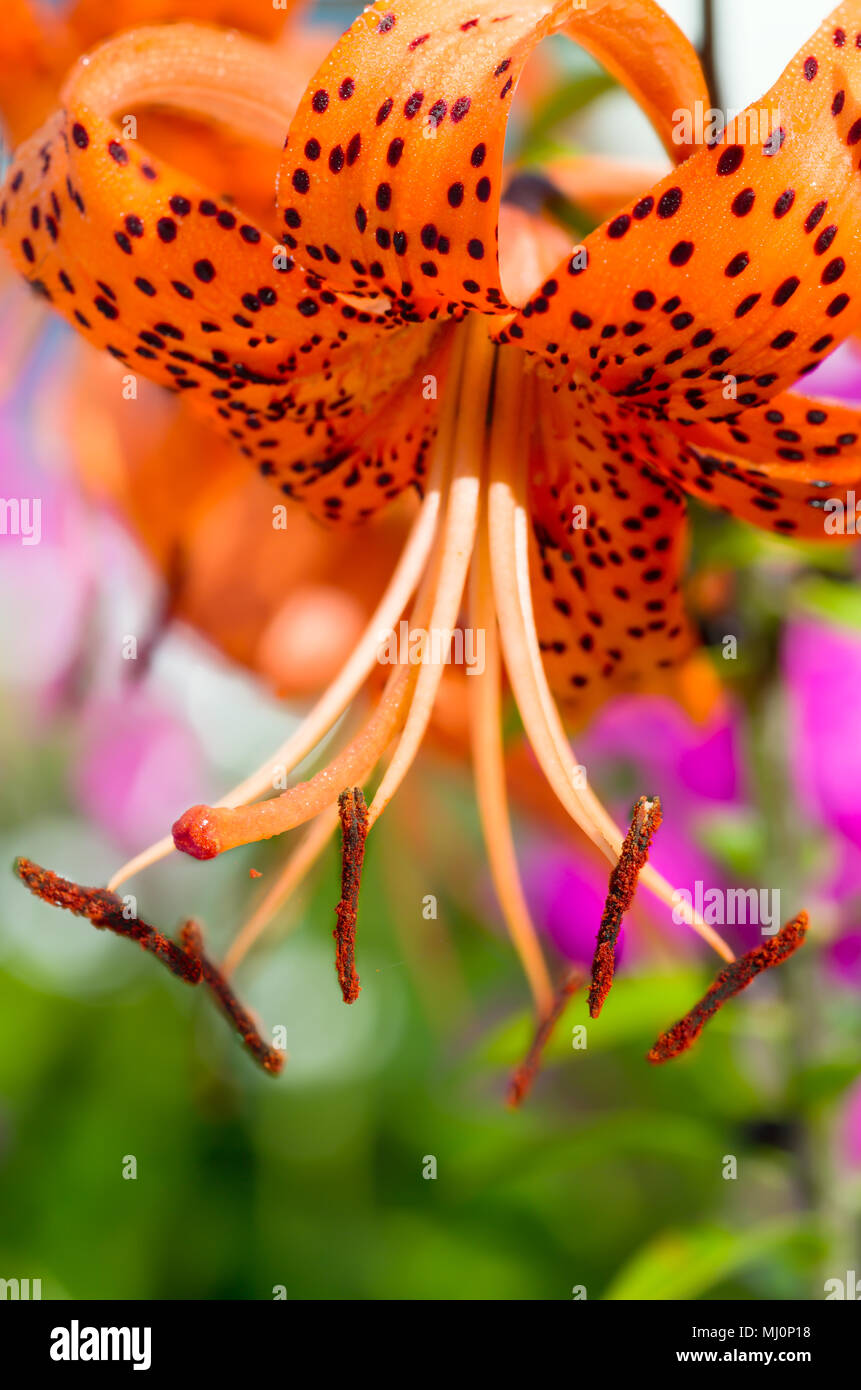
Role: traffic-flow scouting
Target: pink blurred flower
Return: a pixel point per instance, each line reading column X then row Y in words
column 139, row 767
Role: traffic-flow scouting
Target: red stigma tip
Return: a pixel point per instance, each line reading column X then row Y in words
column 194, row 833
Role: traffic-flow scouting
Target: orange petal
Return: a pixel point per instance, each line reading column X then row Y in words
column 92, row 20
column 609, row 550
column 395, row 155
column 742, row 261
column 791, row 428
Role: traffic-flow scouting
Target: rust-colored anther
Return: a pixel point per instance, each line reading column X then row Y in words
column 269, row 1058
column 731, row 981
column 521, row 1080
column 354, row 831
column 105, row 909
column 620, row 895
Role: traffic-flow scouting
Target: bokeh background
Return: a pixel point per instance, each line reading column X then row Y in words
column 613, row 1177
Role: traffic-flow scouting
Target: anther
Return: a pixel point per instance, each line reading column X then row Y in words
column 105, row 909
column 730, row 981
column 354, row 830
column 620, row 895
column 271, row 1059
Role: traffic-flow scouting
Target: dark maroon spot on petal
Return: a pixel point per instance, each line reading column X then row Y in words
column 837, row 306
column 811, row 68
column 681, row 253
column 730, row 160
column 747, row 304
column 816, row 215
column 737, row 265
column 786, row 290
column 833, row 272
column 670, row 203
column 774, row 143
column 743, row 202
column 619, row 226
column 784, row 203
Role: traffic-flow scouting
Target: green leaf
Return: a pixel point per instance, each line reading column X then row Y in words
column 827, row 598
column 686, row 1264
column 564, row 101
column 639, row 1007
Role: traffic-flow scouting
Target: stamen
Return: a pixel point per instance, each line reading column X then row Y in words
column 455, row 549
column 297, row 866
column 521, row 1081
column 205, row 831
column 620, row 895
column 354, row 827
column 508, row 528
column 106, row 909
column 729, row 982
column 484, row 692
column 271, row 1059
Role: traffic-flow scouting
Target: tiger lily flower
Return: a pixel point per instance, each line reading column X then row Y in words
column 394, row 324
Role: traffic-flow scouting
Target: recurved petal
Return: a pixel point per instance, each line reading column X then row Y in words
column 177, row 284
column 270, row 587
column 744, row 261
column 792, row 467
column 610, row 539
column 395, row 156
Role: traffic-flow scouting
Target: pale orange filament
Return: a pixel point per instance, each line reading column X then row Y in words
column 205, row 831
column 485, row 708
column 508, row 520
column 332, row 703
column 456, row 548
column 294, row 871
